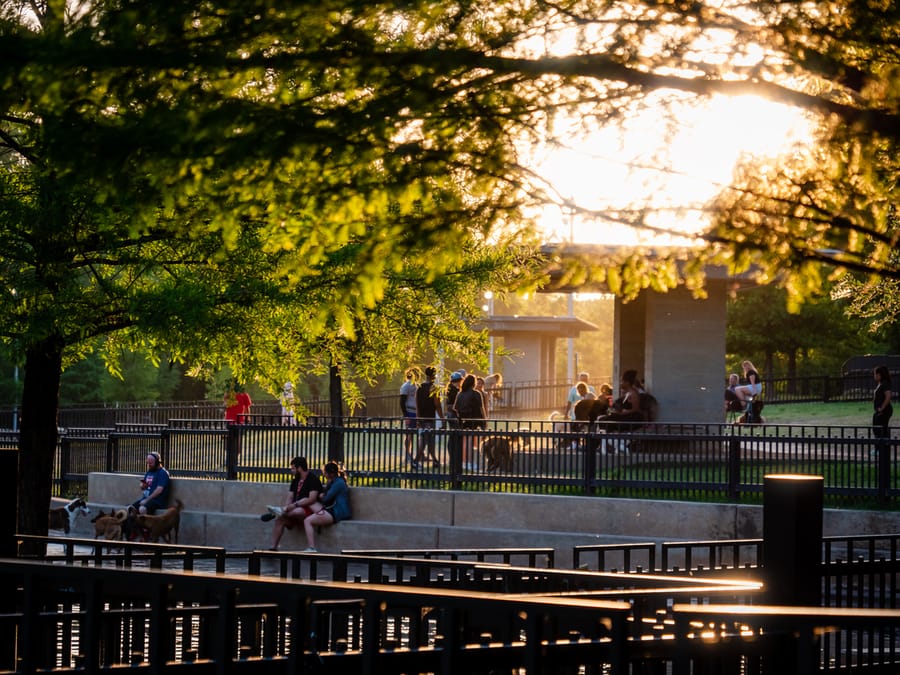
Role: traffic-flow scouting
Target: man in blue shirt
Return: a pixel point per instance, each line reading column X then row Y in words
column 154, row 486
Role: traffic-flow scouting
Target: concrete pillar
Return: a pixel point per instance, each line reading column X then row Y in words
column 792, row 539
column 685, row 353
column 629, row 338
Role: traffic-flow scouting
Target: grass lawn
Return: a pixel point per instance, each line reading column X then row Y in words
column 828, row 414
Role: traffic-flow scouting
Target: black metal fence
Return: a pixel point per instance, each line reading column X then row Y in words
column 416, row 615
column 712, row 462
column 531, row 400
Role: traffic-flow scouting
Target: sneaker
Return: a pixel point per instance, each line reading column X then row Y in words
column 266, row 517
column 275, row 510
column 310, row 549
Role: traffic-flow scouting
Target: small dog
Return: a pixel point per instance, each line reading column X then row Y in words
column 64, row 517
column 109, row 525
column 162, row 526
column 757, row 414
column 498, row 453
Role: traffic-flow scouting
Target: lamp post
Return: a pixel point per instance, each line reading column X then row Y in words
column 489, row 308
column 15, row 412
column 570, row 300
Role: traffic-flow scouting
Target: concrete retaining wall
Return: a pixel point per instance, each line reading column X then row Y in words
column 226, row 513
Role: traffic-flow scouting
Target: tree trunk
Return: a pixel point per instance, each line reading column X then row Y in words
column 336, row 399
column 38, row 436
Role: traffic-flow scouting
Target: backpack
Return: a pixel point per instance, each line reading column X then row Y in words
column 425, row 400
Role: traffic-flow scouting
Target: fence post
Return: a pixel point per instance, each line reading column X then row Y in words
column 232, row 450
column 112, row 453
column 883, row 457
column 590, row 463
column 792, row 539
column 734, row 464
column 454, row 455
column 65, row 459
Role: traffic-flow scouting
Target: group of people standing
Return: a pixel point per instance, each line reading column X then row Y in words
column 465, row 403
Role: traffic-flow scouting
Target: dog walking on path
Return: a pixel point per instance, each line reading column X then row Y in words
column 64, row 517
column 162, row 525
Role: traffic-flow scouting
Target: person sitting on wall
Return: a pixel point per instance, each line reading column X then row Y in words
column 733, row 402
column 303, row 493
column 627, row 411
column 154, row 486
column 332, row 508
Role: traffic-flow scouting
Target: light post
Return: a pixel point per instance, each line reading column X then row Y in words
column 489, row 308
column 570, row 300
column 15, row 412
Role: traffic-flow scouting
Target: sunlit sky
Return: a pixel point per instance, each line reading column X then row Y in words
column 646, row 162
column 643, row 165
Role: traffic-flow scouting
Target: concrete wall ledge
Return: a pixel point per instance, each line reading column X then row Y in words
column 226, row 513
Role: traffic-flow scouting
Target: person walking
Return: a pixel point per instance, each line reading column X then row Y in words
column 287, row 404
column 881, row 401
column 469, row 408
column 454, row 439
column 408, row 410
column 428, row 405
column 237, row 404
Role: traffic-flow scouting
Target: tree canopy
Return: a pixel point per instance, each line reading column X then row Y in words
column 230, row 181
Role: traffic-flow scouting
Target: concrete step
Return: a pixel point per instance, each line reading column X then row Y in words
column 226, row 513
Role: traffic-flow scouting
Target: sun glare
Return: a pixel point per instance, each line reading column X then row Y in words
column 671, row 158
column 672, row 171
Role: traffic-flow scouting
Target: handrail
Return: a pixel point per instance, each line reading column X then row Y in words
column 129, row 551
column 480, row 554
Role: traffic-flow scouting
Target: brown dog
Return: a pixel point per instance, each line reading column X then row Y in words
column 498, row 453
column 163, row 525
column 109, row 525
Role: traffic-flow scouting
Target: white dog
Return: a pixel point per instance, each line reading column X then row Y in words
column 64, row 517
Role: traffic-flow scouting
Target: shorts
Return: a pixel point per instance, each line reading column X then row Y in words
column 296, row 515
column 409, row 420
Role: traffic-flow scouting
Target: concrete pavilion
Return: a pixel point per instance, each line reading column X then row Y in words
column 675, row 341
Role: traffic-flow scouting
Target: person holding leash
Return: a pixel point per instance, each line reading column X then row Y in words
column 154, row 486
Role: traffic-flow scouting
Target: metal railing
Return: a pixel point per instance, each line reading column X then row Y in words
column 98, row 619
column 717, row 462
column 526, row 400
